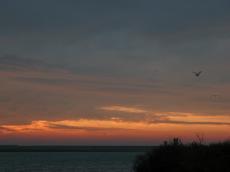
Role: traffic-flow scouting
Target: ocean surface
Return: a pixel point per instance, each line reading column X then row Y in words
column 67, row 161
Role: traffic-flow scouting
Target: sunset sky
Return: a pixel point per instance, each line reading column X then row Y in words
column 114, row 72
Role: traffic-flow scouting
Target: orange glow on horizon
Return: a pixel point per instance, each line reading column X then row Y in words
column 113, row 130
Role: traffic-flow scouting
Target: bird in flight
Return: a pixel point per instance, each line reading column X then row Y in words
column 197, row 74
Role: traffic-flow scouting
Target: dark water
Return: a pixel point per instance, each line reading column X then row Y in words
column 67, row 161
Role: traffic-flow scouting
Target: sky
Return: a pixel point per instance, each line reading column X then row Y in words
column 86, row 72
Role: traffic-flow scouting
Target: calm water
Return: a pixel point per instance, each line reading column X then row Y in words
column 67, row 161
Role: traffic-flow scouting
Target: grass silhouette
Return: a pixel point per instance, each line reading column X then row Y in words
column 174, row 156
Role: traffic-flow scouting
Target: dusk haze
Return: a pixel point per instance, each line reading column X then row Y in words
column 114, row 73
column 114, row 85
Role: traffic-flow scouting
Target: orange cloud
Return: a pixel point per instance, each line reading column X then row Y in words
column 113, row 130
column 123, row 109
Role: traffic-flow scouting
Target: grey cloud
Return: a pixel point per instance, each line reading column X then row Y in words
column 120, row 39
column 14, row 62
column 4, row 99
column 167, row 121
column 68, row 12
column 111, row 84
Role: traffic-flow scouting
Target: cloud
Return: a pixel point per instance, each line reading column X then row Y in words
column 171, row 117
column 114, row 129
column 148, row 122
column 168, row 121
column 190, row 119
column 89, row 131
column 17, row 63
column 5, row 129
column 81, row 124
column 4, row 99
column 89, row 55
column 123, row 109
column 72, row 127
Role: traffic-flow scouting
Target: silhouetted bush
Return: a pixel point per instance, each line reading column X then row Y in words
column 174, row 156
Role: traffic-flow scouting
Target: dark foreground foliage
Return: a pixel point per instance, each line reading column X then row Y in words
column 175, row 156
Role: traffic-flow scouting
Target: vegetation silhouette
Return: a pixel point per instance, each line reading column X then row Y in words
column 174, row 156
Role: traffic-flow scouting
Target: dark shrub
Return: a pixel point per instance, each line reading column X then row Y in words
column 176, row 157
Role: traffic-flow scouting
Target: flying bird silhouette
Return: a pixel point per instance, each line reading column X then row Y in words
column 197, row 74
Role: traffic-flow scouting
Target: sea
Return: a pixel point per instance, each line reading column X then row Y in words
column 67, row 161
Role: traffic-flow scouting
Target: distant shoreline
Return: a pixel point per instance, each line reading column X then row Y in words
column 50, row 148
